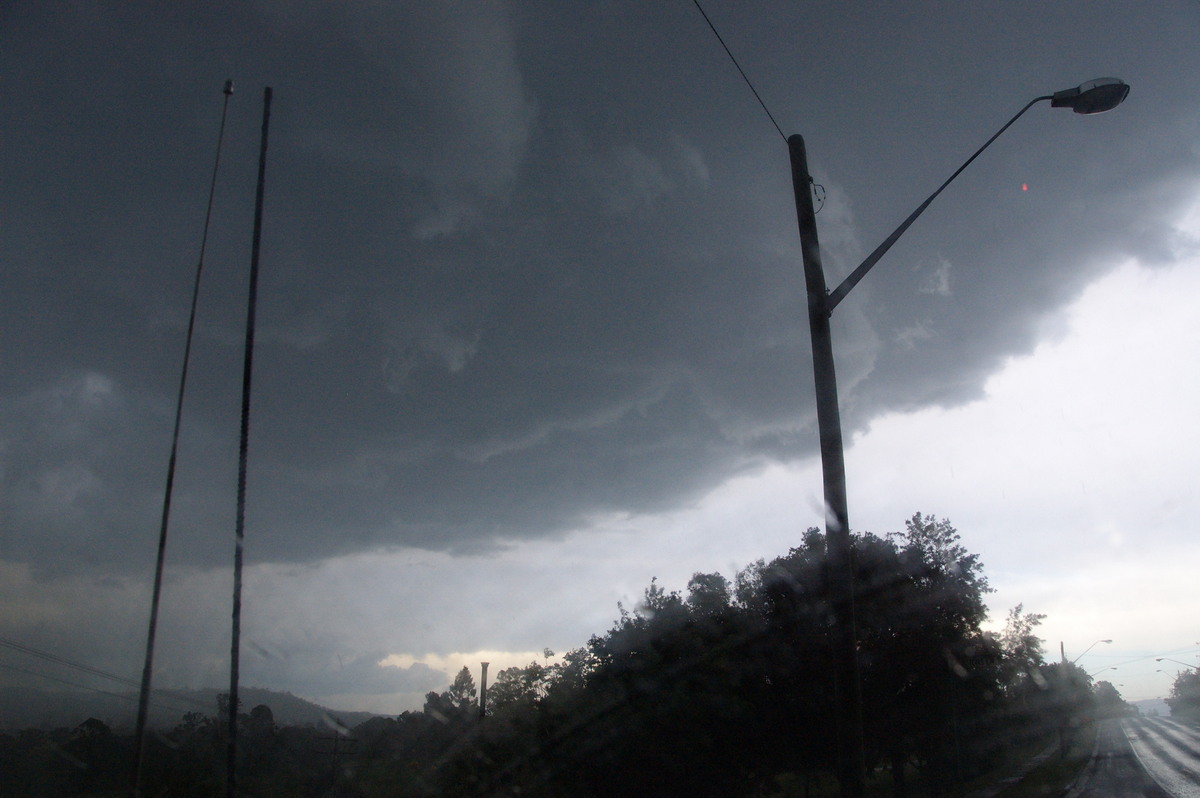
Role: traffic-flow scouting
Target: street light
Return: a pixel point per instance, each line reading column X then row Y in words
column 1092, row 97
column 1086, row 650
column 1177, row 662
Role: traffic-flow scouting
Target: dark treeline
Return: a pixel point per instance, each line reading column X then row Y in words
column 723, row 690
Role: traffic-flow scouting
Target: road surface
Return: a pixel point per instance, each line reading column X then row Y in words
column 1143, row 758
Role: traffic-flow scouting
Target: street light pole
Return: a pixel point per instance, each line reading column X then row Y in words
column 847, row 685
column 1093, row 97
column 829, row 422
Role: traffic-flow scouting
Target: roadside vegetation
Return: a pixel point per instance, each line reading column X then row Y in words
column 723, row 689
column 1184, row 699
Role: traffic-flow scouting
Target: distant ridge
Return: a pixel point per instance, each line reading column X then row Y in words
column 28, row 707
column 1152, row 706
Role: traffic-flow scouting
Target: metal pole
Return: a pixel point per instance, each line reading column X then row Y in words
column 247, row 371
column 156, row 594
column 1093, row 97
column 833, row 469
column 483, row 689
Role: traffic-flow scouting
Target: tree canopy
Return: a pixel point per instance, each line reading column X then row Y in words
column 1184, row 699
column 726, row 688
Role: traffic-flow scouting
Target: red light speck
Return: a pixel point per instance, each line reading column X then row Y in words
column 1024, row 186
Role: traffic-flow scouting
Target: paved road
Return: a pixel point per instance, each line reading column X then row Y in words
column 1169, row 750
column 1143, row 758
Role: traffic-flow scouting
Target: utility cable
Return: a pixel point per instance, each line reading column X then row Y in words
column 46, row 655
column 79, row 666
column 123, row 696
column 739, row 69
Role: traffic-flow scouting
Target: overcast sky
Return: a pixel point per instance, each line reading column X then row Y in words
column 532, row 326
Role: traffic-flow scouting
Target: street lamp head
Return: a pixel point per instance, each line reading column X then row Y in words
column 1094, row 97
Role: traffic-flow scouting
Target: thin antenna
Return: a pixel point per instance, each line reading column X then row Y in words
column 239, row 534
column 739, row 69
column 148, row 667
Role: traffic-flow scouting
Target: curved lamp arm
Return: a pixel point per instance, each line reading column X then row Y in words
column 840, row 292
column 1093, row 97
column 1089, row 648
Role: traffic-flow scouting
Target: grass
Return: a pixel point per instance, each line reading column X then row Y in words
column 1057, row 772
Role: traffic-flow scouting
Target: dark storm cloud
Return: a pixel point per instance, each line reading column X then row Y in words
column 523, row 266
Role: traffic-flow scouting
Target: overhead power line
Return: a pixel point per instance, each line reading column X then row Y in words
column 84, row 668
column 123, row 696
column 46, row 655
column 745, row 77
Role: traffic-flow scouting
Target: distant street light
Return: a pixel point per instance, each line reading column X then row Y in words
column 1092, row 97
column 1177, row 662
column 1102, row 670
column 1086, row 650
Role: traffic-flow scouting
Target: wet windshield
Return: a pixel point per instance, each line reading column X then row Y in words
column 546, row 299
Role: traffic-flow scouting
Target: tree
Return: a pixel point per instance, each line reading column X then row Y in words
column 521, row 685
column 729, row 689
column 709, row 595
column 1062, row 699
column 462, row 691
column 929, row 673
column 103, row 760
column 1109, row 703
column 1184, row 699
column 456, row 704
column 1023, row 654
column 223, row 708
column 663, row 703
column 261, row 721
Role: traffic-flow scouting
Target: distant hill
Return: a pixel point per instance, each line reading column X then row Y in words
column 26, row 707
column 1152, row 706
